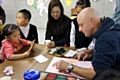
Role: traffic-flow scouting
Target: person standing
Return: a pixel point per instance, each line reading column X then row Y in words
column 116, row 15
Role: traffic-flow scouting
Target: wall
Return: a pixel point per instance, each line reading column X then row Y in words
column 104, row 7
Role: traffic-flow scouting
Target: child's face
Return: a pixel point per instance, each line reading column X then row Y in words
column 20, row 20
column 15, row 36
column 78, row 9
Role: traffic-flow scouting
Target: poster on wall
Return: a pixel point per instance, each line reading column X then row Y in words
column 39, row 5
column 0, row 2
column 68, row 2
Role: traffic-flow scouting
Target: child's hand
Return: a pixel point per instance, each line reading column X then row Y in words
column 29, row 42
column 27, row 53
column 32, row 43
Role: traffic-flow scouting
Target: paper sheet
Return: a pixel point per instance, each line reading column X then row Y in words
column 41, row 58
column 70, row 53
column 5, row 78
column 52, row 69
column 84, row 64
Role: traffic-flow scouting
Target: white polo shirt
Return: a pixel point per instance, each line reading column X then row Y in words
column 25, row 30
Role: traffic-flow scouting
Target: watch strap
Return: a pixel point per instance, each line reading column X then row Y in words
column 70, row 67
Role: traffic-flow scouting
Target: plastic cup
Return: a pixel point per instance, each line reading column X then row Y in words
column 47, row 42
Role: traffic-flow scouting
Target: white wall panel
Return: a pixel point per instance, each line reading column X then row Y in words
column 104, row 7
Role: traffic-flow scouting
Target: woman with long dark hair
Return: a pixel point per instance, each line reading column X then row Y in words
column 58, row 25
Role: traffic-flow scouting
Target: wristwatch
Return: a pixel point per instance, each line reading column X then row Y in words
column 70, row 68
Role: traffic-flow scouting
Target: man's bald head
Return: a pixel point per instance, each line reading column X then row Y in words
column 88, row 13
column 88, row 21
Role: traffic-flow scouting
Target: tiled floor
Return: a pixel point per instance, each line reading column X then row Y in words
column 41, row 35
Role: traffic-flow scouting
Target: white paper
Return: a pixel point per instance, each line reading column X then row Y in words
column 70, row 53
column 41, row 58
column 84, row 64
column 53, row 69
column 5, row 78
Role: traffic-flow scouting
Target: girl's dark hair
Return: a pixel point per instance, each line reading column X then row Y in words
column 83, row 3
column 107, row 75
column 51, row 20
column 9, row 29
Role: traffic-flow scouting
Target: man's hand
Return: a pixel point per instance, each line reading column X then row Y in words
column 85, row 54
column 61, row 65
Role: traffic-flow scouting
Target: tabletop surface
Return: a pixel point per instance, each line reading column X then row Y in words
column 20, row 66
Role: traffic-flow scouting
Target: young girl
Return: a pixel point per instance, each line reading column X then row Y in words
column 77, row 38
column 13, row 43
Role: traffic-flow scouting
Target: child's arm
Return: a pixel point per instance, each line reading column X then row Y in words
column 25, row 54
column 8, row 51
column 25, row 42
column 19, row 56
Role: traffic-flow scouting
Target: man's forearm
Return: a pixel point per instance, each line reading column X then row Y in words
column 84, row 72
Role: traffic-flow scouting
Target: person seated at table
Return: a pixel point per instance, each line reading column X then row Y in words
column 13, row 43
column 1, row 27
column 107, row 75
column 2, row 14
column 58, row 25
column 78, row 39
column 28, row 31
column 2, row 22
column 106, row 53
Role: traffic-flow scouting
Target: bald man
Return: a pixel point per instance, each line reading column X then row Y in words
column 107, row 46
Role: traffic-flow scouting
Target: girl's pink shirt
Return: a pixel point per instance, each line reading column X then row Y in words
column 8, row 48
